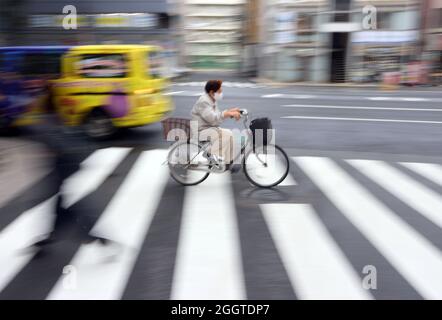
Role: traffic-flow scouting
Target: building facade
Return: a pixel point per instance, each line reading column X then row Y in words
column 213, row 33
column 391, row 45
column 432, row 42
column 335, row 41
column 98, row 22
column 293, row 48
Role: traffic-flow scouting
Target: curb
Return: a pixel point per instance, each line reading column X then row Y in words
column 380, row 86
column 314, row 84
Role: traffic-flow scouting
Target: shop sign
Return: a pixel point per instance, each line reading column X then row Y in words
column 117, row 20
column 385, row 36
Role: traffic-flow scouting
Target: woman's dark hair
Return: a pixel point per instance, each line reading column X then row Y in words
column 213, row 85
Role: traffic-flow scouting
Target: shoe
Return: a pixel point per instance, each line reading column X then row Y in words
column 214, row 159
column 233, row 167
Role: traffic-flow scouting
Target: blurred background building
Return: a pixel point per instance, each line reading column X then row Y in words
column 325, row 41
column 293, row 47
column 391, row 46
column 431, row 28
column 280, row 40
column 39, row 22
column 213, row 33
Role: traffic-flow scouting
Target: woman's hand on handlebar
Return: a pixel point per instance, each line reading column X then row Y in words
column 233, row 113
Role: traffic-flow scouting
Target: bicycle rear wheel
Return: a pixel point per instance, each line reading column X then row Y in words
column 266, row 166
column 180, row 164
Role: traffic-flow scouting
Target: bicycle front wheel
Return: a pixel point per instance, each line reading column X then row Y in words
column 266, row 166
column 180, row 164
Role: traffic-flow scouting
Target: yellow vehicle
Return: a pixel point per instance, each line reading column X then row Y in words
column 105, row 87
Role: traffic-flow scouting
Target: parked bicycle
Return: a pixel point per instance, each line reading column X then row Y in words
column 264, row 164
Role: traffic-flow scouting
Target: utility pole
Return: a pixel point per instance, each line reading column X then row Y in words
column 425, row 8
column 251, row 36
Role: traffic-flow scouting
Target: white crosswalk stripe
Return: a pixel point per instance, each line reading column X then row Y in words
column 407, row 250
column 35, row 222
column 18, row 236
column 93, row 172
column 430, row 171
column 318, row 270
column 424, row 200
column 209, row 260
column 128, row 217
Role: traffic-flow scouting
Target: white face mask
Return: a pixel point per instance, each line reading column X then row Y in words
column 218, row 96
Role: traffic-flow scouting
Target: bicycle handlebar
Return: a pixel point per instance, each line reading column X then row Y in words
column 243, row 113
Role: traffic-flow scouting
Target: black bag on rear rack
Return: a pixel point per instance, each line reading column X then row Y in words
column 262, row 131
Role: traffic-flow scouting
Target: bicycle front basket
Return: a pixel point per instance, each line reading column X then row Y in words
column 262, row 131
column 176, row 128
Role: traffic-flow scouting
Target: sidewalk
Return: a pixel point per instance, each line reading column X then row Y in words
column 233, row 76
column 22, row 163
column 376, row 86
column 269, row 82
column 204, row 75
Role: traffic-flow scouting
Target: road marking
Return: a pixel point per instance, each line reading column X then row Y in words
column 288, row 96
column 173, row 93
column 275, row 168
column 430, row 171
column 34, row 223
column 288, row 181
column 93, row 171
column 186, row 93
column 127, row 217
column 274, row 95
column 208, row 264
column 407, row 250
column 20, row 234
column 357, row 108
column 316, row 266
column 361, row 119
column 408, row 190
column 190, row 84
column 413, row 99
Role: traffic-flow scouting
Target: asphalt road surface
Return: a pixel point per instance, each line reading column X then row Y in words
column 359, row 216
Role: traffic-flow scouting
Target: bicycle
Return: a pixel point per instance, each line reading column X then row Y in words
column 256, row 157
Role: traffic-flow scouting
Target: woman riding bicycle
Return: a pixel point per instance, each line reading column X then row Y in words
column 191, row 161
column 209, row 118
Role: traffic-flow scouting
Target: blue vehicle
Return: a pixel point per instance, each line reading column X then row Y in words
column 24, row 82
